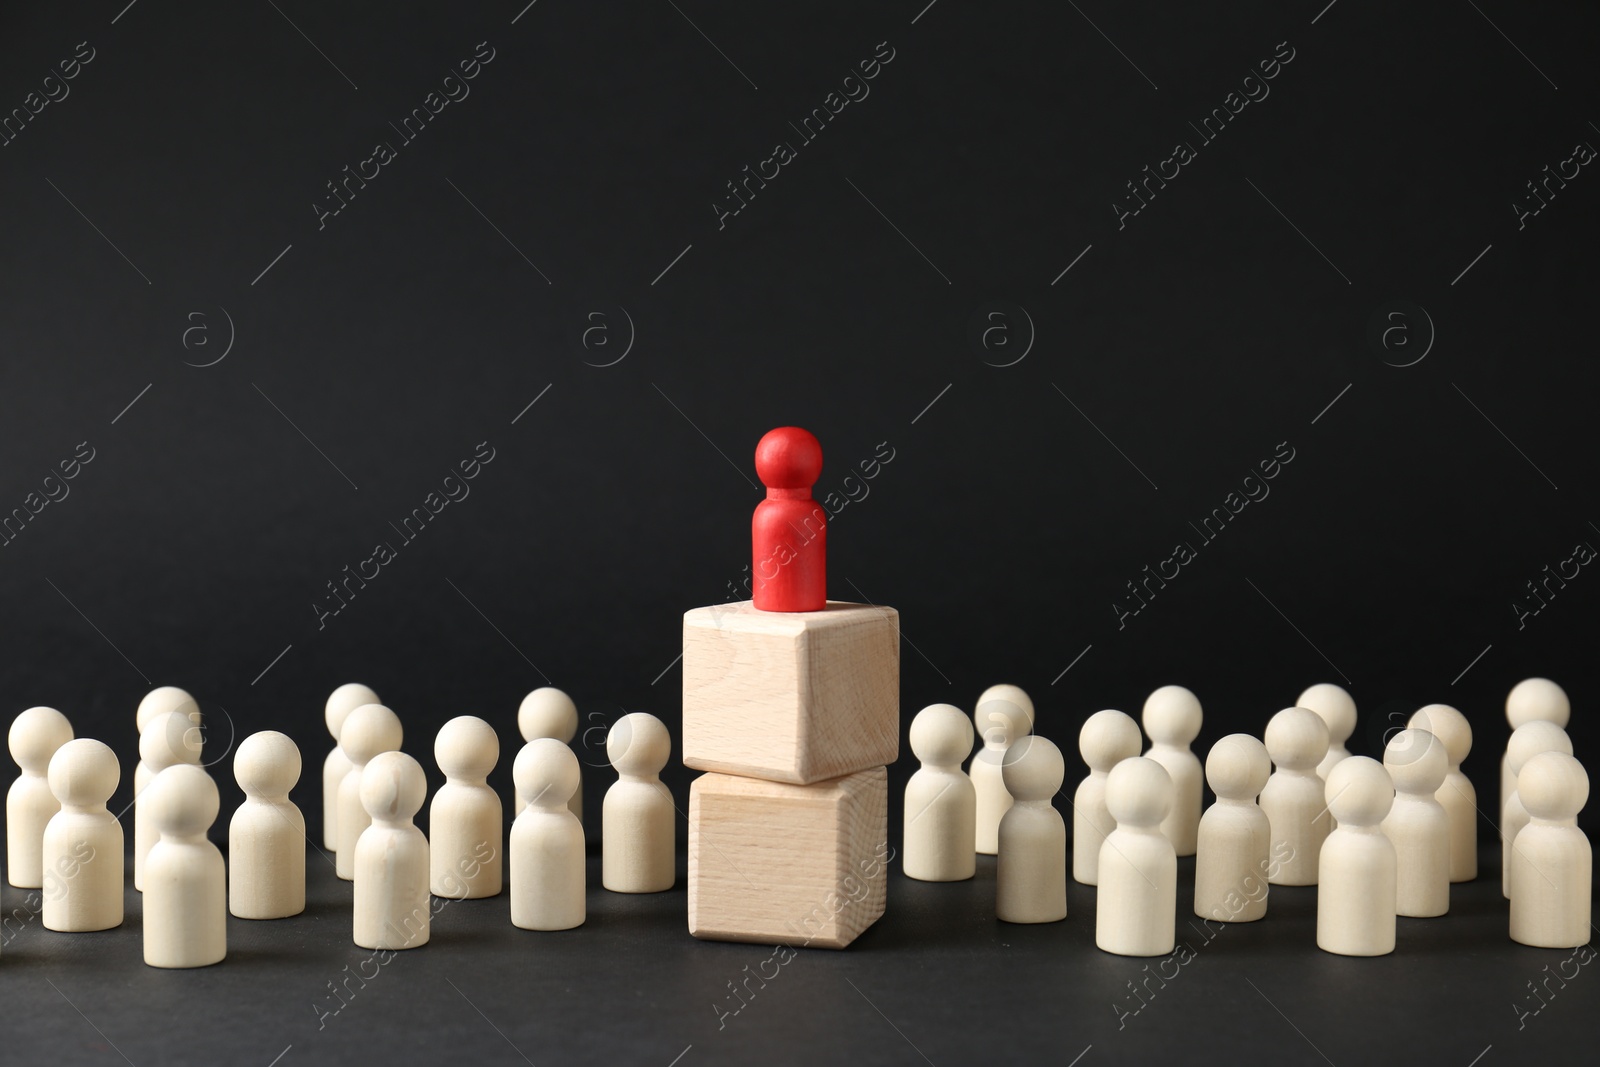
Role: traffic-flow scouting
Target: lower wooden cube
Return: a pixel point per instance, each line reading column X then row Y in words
column 775, row 863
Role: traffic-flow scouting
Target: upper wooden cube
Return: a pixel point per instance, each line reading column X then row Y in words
column 791, row 696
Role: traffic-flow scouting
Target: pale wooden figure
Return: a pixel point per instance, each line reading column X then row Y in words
column 1530, row 700
column 465, row 822
column 1172, row 720
column 185, row 898
column 1358, row 882
column 1338, row 710
column 160, row 701
column 169, row 739
column 392, row 909
column 941, row 805
column 1460, row 800
column 83, row 841
column 1011, row 694
column 1030, row 882
column 1106, row 739
column 1527, row 741
column 35, row 735
column 267, row 834
column 638, row 837
column 1000, row 721
column 341, row 702
column 1235, row 836
column 1293, row 798
column 1552, row 867
column 1136, row 907
column 1417, row 824
column 548, row 866
column 548, row 712
column 367, row 731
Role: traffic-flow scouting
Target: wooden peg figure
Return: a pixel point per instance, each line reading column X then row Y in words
column 1357, row 870
column 1031, row 866
column 1232, row 854
column 83, row 841
column 1417, row 824
column 35, row 736
column 789, row 531
column 1338, row 709
column 341, row 702
column 941, row 805
column 465, row 818
column 1460, row 800
column 1136, row 907
column 169, row 739
column 1105, row 740
column 367, row 731
column 1532, row 699
column 638, row 837
column 548, row 712
column 185, row 908
column 1294, row 799
column 999, row 719
column 160, row 701
column 1172, row 719
column 267, row 834
column 1527, row 741
column 1552, row 865
column 548, row 869
column 392, row 909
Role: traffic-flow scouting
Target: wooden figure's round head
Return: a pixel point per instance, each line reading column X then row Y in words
column 393, row 786
column 1532, row 738
column 548, row 712
column 1011, row 694
column 267, row 764
column 35, row 735
column 1172, row 716
column 1297, row 739
column 1553, row 786
column 788, row 458
column 170, row 739
column 182, row 800
column 1449, row 726
column 342, row 701
column 84, row 773
column 1416, row 761
column 1359, row 791
column 369, row 730
column 163, row 699
column 1237, row 767
column 1000, row 721
column 941, row 735
column 1337, row 708
column 547, row 771
column 1139, row 792
column 638, row 744
column 1107, row 738
column 1033, row 769
column 466, row 747
column 1537, row 698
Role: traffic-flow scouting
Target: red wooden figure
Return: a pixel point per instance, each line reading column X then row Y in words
column 789, row 531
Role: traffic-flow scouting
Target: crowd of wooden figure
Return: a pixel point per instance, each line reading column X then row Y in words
column 1378, row 839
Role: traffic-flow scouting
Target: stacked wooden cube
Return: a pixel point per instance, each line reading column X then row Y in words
column 794, row 715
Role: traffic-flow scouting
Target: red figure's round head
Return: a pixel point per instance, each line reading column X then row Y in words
column 789, row 458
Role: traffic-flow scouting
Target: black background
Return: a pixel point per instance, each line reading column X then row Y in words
column 849, row 296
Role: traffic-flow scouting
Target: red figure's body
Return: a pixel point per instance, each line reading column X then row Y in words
column 789, row 531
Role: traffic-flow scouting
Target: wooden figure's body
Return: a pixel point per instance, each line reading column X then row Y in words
column 1336, row 708
column 789, row 530
column 83, row 842
column 35, row 736
column 1530, row 700
column 547, row 846
column 1235, row 837
column 1031, row 865
column 367, row 732
column 1552, row 865
column 1172, row 719
column 1294, row 799
column 1457, row 795
column 941, row 810
column 1357, row 873
column 1417, row 824
column 160, row 701
column 1527, row 741
column 465, row 817
column 341, row 702
column 1106, row 739
column 185, row 899
column 392, row 909
column 267, row 834
column 638, row 837
column 1000, row 721
column 169, row 739
column 548, row 712
column 1137, row 903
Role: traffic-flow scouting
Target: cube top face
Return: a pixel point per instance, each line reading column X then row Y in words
column 776, row 863
column 794, row 697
